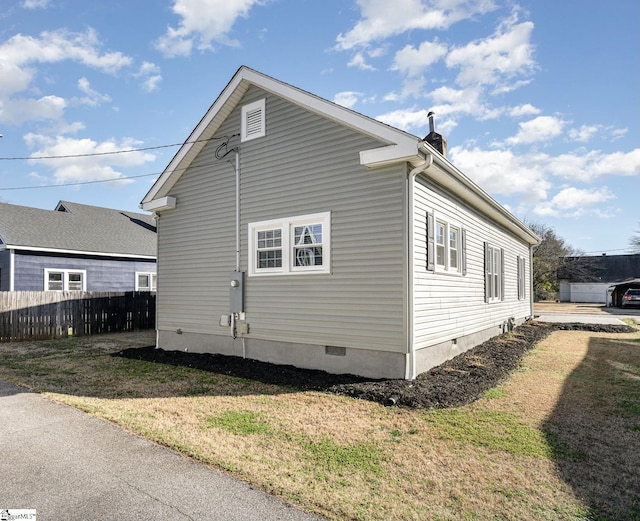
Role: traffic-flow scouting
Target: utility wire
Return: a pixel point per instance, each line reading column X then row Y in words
column 78, row 183
column 114, row 152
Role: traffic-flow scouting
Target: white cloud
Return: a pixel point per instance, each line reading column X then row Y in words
column 19, row 57
column 618, row 163
column 405, row 119
column 359, row 61
column 93, row 97
column 88, row 168
column 584, row 133
column 57, row 46
column 35, row 4
column 413, row 62
column 203, row 23
column 575, row 202
column 382, row 18
column 347, row 98
column 542, row 128
column 150, row 75
column 496, row 60
column 19, row 110
column 502, row 172
column 524, row 110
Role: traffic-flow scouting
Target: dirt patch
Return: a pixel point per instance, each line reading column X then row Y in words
column 457, row 382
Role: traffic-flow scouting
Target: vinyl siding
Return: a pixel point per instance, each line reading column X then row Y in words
column 446, row 305
column 102, row 274
column 305, row 164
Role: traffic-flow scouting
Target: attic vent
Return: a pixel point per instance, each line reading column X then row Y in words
column 253, row 120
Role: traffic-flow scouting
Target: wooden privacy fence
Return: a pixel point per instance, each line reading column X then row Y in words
column 38, row 315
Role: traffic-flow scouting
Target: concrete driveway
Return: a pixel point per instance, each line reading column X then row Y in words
column 65, row 464
column 566, row 312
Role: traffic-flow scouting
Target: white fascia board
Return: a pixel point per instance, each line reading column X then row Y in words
column 407, row 150
column 158, row 205
column 78, row 252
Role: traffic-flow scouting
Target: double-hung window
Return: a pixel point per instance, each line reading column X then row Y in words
column 445, row 246
column 293, row 245
column 494, row 273
column 65, row 280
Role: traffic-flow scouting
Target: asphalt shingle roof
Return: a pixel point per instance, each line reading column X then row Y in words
column 79, row 228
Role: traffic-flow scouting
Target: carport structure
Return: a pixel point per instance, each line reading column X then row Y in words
column 617, row 290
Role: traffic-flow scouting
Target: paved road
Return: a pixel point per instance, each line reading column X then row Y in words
column 70, row 466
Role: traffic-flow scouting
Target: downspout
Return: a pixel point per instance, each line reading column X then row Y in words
column 531, row 296
column 411, row 177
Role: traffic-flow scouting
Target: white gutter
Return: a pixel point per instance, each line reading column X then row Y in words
column 410, row 371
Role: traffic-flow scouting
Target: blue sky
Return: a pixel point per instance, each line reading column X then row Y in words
column 539, row 99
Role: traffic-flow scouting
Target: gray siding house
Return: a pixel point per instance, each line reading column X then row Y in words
column 296, row 231
column 76, row 247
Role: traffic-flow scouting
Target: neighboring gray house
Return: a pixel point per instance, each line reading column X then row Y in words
column 296, row 231
column 590, row 278
column 76, row 247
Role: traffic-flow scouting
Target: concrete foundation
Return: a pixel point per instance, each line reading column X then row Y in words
column 332, row 359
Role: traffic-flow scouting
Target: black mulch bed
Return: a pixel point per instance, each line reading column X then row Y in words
column 457, row 382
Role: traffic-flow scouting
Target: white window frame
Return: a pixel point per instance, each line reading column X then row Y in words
column 65, row 279
column 253, row 123
column 288, row 246
column 494, row 273
column 152, row 278
column 450, row 257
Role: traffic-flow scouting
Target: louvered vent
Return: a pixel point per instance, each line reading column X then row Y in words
column 253, row 120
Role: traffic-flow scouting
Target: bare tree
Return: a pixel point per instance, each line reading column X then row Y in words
column 548, row 260
column 635, row 241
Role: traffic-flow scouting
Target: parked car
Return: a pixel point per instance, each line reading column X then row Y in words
column 631, row 297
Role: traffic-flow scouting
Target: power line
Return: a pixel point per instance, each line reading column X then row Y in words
column 114, row 152
column 78, row 183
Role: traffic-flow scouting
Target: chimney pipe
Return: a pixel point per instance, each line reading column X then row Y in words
column 433, row 138
column 432, row 123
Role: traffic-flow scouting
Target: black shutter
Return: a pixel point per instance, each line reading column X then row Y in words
column 431, row 262
column 502, row 274
column 487, row 278
column 463, row 247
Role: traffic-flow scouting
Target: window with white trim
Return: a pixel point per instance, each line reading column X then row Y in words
column 494, row 273
column 293, row 245
column 253, row 121
column 65, row 280
column 445, row 246
column 146, row 281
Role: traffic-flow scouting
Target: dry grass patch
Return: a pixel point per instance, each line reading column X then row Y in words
column 536, row 447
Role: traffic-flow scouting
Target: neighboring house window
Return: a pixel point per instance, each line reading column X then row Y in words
column 65, row 280
column 146, row 281
column 521, row 279
column 293, row 245
column 445, row 246
column 494, row 273
column 253, row 121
